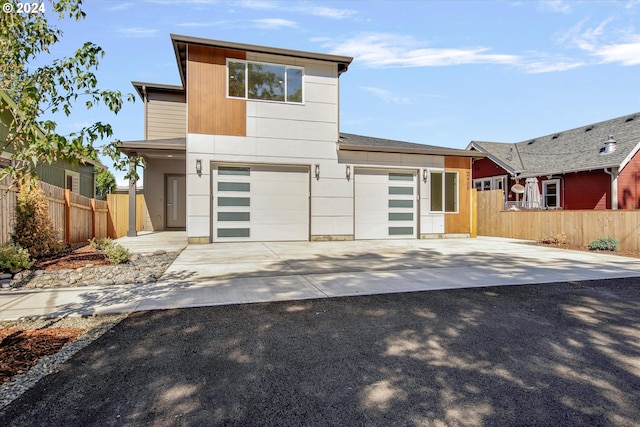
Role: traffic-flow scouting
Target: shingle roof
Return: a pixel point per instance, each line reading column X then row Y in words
column 353, row 142
column 570, row 150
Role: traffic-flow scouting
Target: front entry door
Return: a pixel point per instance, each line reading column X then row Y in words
column 176, row 191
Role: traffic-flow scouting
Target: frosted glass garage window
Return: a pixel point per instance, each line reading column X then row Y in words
column 233, row 201
column 234, row 186
column 234, row 232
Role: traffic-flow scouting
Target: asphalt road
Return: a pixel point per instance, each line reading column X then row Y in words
column 558, row 354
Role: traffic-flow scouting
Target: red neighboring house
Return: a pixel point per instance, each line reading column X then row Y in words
column 590, row 167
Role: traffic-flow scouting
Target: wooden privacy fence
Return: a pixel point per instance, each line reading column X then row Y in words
column 76, row 218
column 119, row 214
column 580, row 226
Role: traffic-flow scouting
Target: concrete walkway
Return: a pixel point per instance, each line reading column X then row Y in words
column 233, row 273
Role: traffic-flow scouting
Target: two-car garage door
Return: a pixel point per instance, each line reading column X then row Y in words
column 271, row 203
column 260, row 203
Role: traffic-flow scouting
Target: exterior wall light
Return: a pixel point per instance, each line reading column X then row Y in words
column 199, row 167
column 317, row 170
column 425, row 175
column 348, row 171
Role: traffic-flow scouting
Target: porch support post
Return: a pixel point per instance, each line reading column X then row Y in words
column 132, row 232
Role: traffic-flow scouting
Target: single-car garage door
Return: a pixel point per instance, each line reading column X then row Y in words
column 260, row 203
column 385, row 204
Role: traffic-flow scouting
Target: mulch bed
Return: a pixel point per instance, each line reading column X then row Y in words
column 72, row 258
column 21, row 349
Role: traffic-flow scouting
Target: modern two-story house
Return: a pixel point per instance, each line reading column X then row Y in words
column 249, row 147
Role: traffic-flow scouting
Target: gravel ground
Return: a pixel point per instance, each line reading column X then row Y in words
column 94, row 326
column 558, row 354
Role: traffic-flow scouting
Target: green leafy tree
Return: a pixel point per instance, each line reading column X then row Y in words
column 105, row 183
column 48, row 90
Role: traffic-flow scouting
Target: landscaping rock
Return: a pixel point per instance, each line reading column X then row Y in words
column 145, row 269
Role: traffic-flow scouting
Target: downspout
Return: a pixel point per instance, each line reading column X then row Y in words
column 614, row 186
column 144, row 101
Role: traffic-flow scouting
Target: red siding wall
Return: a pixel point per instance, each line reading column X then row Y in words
column 587, row 190
column 629, row 185
column 483, row 168
column 582, row 190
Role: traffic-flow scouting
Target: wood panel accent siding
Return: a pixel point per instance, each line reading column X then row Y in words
column 209, row 109
column 460, row 222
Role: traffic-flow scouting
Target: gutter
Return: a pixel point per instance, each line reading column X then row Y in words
column 403, row 150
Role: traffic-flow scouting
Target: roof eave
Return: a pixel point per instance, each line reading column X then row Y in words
column 140, row 86
column 402, row 150
column 180, row 42
column 136, row 147
column 493, row 158
column 564, row 172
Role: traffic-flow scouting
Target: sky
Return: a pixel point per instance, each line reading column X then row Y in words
column 432, row 72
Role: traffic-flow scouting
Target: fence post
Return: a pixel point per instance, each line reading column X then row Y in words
column 67, row 216
column 474, row 213
column 93, row 218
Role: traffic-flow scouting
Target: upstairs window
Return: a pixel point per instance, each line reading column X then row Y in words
column 268, row 82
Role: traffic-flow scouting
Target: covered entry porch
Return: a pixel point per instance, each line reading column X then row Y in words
column 164, row 182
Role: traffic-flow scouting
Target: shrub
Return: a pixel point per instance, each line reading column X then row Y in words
column 33, row 229
column 100, row 244
column 605, row 244
column 116, row 254
column 558, row 239
column 13, row 257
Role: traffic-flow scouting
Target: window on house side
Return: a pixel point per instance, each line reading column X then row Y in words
column 263, row 81
column 436, row 191
column 451, row 192
column 551, row 193
column 72, row 181
column 444, row 192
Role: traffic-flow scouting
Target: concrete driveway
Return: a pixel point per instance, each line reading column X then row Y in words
column 230, row 273
column 235, row 273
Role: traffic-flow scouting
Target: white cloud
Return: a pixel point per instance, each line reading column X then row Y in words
column 274, row 23
column 625, row 53
column 120, row 7
column 387, row 96
column 378, row 50
column 329, row 12
column 199, row 24
column 551, row 66
column 558, row 6
column 178, row 2
column 266, row 23
column 138, row 32
column 296, row 7
column 609, row 47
